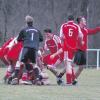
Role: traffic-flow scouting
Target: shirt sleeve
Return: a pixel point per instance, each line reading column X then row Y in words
column 45, row 46
column 93, row 31
column 40, row 37
column 20, row 36
column 57, row 38
column 61, row 31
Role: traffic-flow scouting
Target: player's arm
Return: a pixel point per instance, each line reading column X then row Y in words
column 57, row 53
column 40, row 37
column 80, row 36
column 46, row 49
column 61, row 34
column 20, row 36
column 12, row 43
column 93, row 31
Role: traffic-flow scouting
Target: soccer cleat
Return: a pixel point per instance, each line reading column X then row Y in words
column 60, row 81
column 74, row 82
column 14, row 81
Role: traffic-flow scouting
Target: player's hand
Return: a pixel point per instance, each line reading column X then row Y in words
column 52, row 56
column 83, row 43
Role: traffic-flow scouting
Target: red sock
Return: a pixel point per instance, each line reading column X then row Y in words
column 8, row 74
column 69, row 78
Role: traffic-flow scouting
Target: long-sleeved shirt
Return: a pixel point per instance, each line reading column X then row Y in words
column 30, row 37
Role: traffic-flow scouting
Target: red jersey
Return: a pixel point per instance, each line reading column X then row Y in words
column 54, row 45
column 87, row 32
column 71, row 32
column 13, row 54
column 10, row 51
column 3, row 49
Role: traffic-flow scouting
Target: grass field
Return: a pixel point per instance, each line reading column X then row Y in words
column 88, row 88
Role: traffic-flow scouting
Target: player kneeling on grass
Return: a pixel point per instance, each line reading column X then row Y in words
column 52, row 45
column 44, row 61
column 9, row 54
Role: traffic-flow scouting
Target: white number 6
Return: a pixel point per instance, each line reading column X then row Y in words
column 70, row 32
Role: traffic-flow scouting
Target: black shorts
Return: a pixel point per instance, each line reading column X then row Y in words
column 80, row 57
column 28, row 54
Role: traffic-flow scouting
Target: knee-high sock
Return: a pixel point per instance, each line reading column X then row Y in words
column 62, row 73
column 69, row 72
column 53, row 70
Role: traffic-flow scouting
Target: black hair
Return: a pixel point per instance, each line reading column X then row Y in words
column 47, row 30
column 70, row 17
column 79, row 19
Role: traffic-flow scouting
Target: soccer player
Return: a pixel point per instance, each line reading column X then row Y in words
column 71, row 33
column 53, row 44
column 31, row 38
column 9, row 55
column 80, row 57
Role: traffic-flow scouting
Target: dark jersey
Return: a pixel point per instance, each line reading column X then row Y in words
column 30, row 37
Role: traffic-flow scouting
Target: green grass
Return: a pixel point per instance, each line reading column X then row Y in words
column 88, row 88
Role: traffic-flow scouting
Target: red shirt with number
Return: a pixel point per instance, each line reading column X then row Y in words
column 71, row 33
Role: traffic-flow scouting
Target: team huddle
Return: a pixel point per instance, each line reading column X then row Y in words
column 26, row 60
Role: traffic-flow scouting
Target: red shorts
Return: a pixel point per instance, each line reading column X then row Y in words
column 48, row 61
column 69, row 54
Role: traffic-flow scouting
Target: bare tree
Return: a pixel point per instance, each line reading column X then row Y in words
column 5, row 20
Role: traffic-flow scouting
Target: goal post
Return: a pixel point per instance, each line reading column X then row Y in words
column 97, row 57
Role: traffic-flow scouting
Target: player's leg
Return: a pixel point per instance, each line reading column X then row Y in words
column 36, row 69
column 16, row 76
column 80, row 60
column 20, row 64
column 8, row 74
column 53, row 69
column 50, row 63
column 68, row 57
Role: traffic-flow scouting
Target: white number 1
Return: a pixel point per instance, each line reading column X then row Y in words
column 32, row 36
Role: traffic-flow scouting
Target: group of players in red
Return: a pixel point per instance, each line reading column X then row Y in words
column 70, row 47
